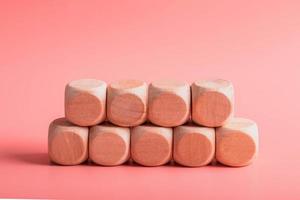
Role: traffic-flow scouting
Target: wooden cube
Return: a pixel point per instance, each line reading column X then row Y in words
column 127, row 102
column 169, row 103
column 109, row 145
column 194, row 146
column 67, row 143
column 237, row 142
column 212, row 102
column 85, row 102
column 151, row 145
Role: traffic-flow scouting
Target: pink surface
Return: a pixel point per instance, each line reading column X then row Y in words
column 45, row 44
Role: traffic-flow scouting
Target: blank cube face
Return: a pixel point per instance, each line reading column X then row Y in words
column 212, row 108
column 85, row 102
column 237, row 142
column 127, row 103
column 67, row 143
column 193, row 146
column 151, row 146
column 212, row 102
column 109, row 145
column 169, row 103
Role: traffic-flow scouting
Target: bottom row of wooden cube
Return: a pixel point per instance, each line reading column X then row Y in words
column 234, row 144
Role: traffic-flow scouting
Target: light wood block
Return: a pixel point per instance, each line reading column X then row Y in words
column 169, row 103
column 85, row 102
column 109, row 145
column 127, row 102
column 212, row 102
column 237, row 142
column 194, row 146
column 151, row 145
column 67, row 143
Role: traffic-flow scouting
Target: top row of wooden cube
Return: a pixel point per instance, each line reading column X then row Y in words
column 130, row 103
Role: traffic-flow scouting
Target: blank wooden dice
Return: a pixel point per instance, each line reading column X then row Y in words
column 127, row 102
column 85, row 102
column 212, row 102
column 67, row 143
column 109, row 145
column 169, row 103
column 151, row 145
column 237, row 142
column 194, row 146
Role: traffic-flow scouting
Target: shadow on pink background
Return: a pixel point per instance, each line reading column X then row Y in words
column 45, row 44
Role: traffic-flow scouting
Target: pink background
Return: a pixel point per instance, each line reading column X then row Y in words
column 45, row 44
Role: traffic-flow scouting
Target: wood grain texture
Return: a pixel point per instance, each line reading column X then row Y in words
column 212, row 102
column 127, row 102
column 109, row 145
column 67, row 143
column 151, row 145
column 237, row 142
column 194, row 146
column 169, row 103
column 85, row 102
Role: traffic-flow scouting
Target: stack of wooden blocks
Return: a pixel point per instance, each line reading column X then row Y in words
column 169, row 120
